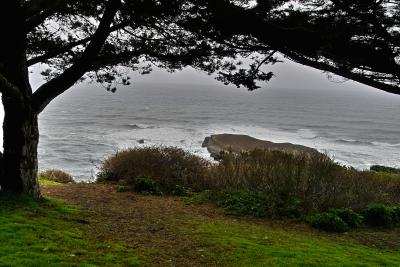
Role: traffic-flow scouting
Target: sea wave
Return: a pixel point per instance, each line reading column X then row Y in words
column 137, row 127
column 354, row 142
column 386, row 144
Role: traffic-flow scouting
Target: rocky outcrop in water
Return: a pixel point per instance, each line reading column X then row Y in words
column 215, row 144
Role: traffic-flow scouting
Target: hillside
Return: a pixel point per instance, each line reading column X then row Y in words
column 96, row 225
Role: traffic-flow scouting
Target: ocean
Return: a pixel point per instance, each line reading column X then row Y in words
column 85, row 125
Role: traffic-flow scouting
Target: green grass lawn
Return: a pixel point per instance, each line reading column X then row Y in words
column 49, row 233
column 43, row 181
column 52, row 233
column 241, row 244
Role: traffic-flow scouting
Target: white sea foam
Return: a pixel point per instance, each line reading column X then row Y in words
column 77, row 134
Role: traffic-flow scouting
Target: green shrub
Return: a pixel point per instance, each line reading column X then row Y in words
column 244, row 203
column 292, row 185
column 182, row 191
column 351, row 218
column 314, row 181
column 328, row 221
column 290, row 207
column 380, row 215
column 122, row 189
column 146, row 185
column 58, row 176
column 168, row 166
column 396, row 215
column 379, row 168
column 107, row 176
column 336, row 220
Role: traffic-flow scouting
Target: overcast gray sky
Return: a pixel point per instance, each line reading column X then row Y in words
column 287, row 75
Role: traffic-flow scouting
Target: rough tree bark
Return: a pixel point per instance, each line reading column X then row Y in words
column 20, row 128
column 21, row 137
column 21, row 105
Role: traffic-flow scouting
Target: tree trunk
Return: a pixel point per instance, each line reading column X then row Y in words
column 21, row 137
column 20, row 128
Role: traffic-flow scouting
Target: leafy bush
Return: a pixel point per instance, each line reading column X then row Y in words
column 266, row 182
column 244, row 203
column 122, row 189
column 351, row 218
column 290, row 207
column 303, row 183
column 379, row 168
column 146, row 185
column 336, row 220
column 168, row 166
column 58, row 176
column 328, row 221
column 396, row 215
column 182, row 191
column 107, row 176
column 381, row 215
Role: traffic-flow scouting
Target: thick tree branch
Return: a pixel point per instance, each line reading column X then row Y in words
column 33, row 7
column 39, row 10
column 47, row 92
column 38, row 19
column 56, row 52
column 393, row 89
column 64, row 49
column 290, row 43
column 8, row 88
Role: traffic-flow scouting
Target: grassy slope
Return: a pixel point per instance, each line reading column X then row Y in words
column 51, row 232
column 247, row 245
column 47, row 233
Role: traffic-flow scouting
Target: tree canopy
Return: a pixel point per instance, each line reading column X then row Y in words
column 358, row 40
column 104, row 41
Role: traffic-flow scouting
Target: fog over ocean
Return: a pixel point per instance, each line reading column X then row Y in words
column 355, row 127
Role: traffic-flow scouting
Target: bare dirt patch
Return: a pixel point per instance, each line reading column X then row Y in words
column 147, row 223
